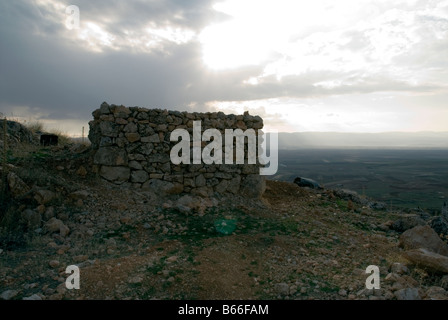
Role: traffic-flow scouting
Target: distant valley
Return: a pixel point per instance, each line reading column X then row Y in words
column 299, row 140
column 407, row 178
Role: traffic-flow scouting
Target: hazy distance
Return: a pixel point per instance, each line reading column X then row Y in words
column 411, row 140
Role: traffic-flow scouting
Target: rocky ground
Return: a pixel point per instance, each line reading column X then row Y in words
column 294, row 243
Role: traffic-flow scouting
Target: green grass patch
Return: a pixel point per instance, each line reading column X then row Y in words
column 119, row 232
column 157, row 267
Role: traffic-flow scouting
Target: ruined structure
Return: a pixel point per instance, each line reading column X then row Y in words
column 132, row 146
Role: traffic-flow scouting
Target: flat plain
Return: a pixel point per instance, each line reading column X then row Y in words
column 407, row 178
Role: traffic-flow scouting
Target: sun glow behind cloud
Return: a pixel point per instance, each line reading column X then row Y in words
column 261, row 30
column 343, row 49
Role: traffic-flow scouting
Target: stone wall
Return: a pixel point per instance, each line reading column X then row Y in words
column 132, row 146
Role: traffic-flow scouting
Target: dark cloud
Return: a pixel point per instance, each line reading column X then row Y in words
column 45, row 68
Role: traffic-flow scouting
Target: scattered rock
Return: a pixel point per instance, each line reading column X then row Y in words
column 55, row 225
column 172, row 259
column 187, row 204
column 282, row 289
column 86, row 263
column 365, row 293
column 350, row 195
column 54, row 263
column 82, row 172
column 41, row 209
column 342, row 293
column 400, row 282
column 135, row 280
column 117, row 175
column 161, row 188
column 399, row 268
column 126, row 220
column 440, row 225
column 408, row 294
column 183, row 209
column 31, row 218
column 423, row 237
column 44, row 196
column 436, row 293
column 17, row 187
column 9, row 294
column 64, row 230
column 407, row 222
column 376, row 205
column 48, row 214
column 388, row 295
column 444, row 282
column 34, row 297
column 444, row 212
column 79, row 195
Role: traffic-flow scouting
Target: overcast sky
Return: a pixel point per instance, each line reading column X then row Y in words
column 321, row 65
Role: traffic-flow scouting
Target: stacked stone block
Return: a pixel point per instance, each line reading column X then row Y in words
column 132, row 146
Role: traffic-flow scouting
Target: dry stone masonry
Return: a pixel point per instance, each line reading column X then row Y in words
column 132, row 146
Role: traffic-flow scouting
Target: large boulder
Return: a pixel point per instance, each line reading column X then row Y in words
column 428, row 260
column 423, row 237
column 17, row 132
column 306, row 182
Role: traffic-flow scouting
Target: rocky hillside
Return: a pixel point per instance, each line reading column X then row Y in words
column 294, row 243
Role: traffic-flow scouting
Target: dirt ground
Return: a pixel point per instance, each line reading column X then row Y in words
column 294, row 243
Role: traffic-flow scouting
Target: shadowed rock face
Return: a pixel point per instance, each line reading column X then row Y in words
column 306, row 182
column 423, row 237
column 16, row 132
